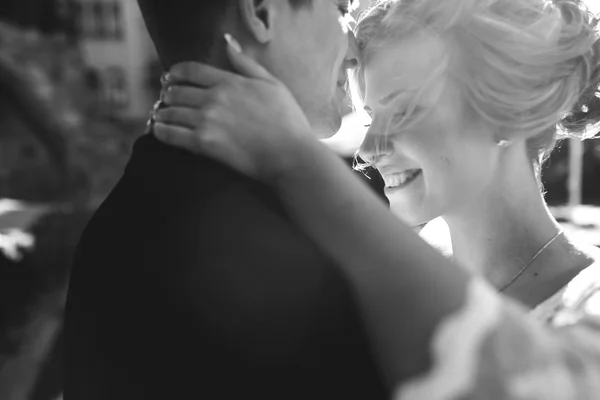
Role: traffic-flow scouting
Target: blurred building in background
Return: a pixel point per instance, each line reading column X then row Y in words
column 115, row 44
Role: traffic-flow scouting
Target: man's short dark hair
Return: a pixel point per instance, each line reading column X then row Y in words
column 186, row 30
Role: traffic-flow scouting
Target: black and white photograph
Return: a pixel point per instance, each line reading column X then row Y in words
column 300, row 199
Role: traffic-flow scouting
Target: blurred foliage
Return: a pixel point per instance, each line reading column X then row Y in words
column 58, row 147
column 49, row 106
column 39, row 272
column 556, row 171
column 32, row 295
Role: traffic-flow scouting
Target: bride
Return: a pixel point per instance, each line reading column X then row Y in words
column 467, row 99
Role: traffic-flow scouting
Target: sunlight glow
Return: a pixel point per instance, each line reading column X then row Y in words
column 12, row 243
column 593, row 5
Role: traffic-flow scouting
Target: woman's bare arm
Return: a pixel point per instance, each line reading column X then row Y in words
column 425, row 315
column 405, row 286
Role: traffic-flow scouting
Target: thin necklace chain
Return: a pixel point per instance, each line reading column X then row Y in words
column 522, row 270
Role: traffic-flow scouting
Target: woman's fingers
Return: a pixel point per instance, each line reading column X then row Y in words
column 186, row 96
column 239, row 118
column 180, row 116
column 197, row 74
column 177, row 136
column 244, row 64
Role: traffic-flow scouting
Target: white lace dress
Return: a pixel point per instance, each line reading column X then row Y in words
column 493, row 349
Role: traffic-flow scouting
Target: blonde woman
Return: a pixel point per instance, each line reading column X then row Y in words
column 467, row 99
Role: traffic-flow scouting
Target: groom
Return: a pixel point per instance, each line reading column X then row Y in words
column 190, row 281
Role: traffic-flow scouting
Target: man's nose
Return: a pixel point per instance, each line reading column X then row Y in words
column 353, row 55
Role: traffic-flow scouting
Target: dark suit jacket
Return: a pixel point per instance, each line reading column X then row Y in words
column 191, row 282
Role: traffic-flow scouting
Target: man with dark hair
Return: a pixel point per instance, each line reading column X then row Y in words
column 190, row 280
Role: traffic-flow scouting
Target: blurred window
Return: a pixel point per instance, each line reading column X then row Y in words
column 78, row 16
column 115, row 87
column 100, row 26
column 88, row 23
column 116, row 21
column 100, row 20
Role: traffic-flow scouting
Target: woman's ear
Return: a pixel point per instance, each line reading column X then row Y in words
column 257, row 16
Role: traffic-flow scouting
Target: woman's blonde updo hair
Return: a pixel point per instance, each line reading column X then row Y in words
column 533, row 65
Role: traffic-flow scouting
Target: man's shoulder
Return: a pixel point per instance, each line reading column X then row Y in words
column 153, row 158
column 197, row 208
column 175, row 187
column 178, row 175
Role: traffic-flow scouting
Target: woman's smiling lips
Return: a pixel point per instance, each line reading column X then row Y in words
column 400, row 180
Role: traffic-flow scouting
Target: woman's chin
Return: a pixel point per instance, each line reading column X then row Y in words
column 413, row 215
column 408, row 216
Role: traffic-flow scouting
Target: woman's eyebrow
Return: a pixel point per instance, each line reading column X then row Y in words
column 390, row 97
column 387, row 99
column 396, row 93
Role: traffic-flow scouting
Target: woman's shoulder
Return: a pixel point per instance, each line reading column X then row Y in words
column 586, row 285
column 578, row 298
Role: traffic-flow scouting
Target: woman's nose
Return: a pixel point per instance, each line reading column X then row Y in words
column 374, row 146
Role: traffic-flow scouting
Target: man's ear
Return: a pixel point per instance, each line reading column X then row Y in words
column 258, row 16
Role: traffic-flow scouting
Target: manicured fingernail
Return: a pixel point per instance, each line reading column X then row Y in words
column 149, row 124
column 164, row 78
column 234, row 44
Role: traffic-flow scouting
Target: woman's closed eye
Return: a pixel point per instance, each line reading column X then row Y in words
column 402, row 116
column 406, row 115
